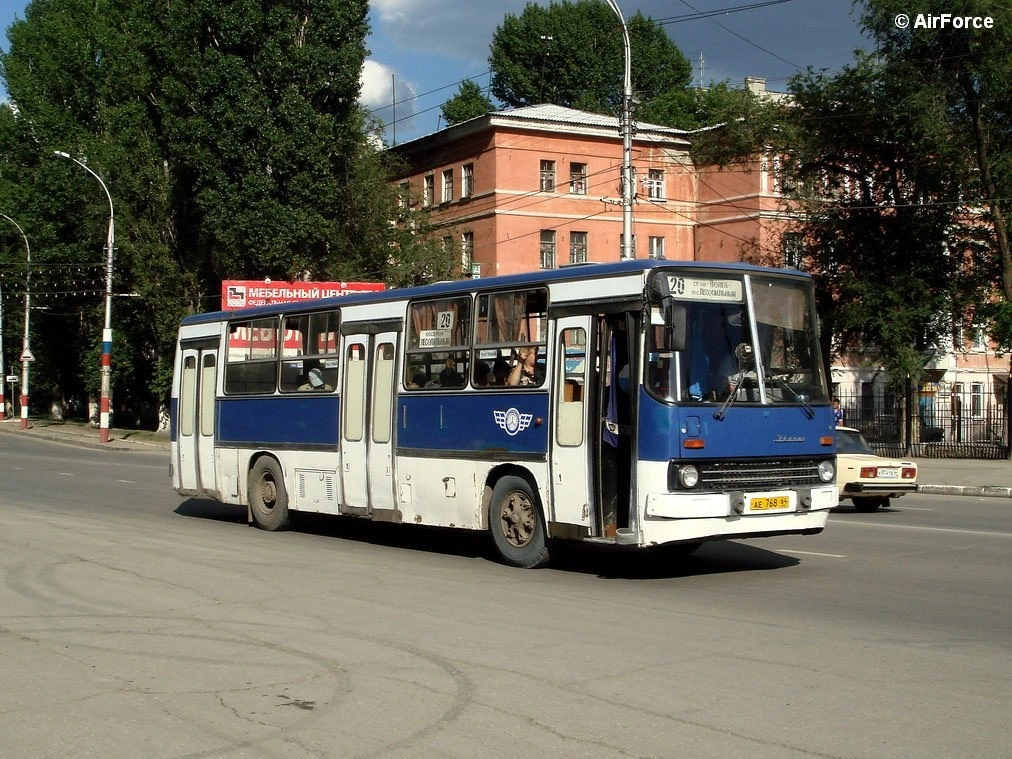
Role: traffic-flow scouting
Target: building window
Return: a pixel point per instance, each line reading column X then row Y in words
column 448, row 185
column 548, row 176
column 794, row 250
column 577, row 247
column 547, row 248
column 428, row 189
column 466, row 251
column 467, row 180
column 977, row 400
column 655, row 184
column 657, row 248
column 448, row 245
column 404, row 196
column 979, row 338
column 578, row 178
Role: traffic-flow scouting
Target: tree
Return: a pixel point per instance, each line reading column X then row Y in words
column 571, row 54
column 963, row 74
column 231, row 140
column 468, row 103
column 879, row 212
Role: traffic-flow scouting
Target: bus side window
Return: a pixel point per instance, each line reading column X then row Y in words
column 573, row 357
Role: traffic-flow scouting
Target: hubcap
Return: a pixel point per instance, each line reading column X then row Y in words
column 518, row 520
column 268, row 493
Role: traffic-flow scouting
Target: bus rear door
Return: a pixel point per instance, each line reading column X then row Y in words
column 367, row 407
column 198, row 383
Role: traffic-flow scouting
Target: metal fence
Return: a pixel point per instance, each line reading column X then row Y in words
column 955, row 424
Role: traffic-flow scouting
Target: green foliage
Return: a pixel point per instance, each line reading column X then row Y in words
column 572, row 54
column 879, row 210
column 468, row 103
column 963, row 76
column 735, row 123
column 232, row 143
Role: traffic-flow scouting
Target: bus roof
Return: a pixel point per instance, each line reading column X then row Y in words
column 572, row 272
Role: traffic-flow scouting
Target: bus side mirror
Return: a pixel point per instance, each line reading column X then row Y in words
column 674, row 326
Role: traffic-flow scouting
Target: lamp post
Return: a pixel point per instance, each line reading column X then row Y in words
column 626, row 128
column 26, row 353
column 110, row 245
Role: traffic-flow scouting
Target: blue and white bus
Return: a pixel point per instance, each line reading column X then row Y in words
column 645, row 403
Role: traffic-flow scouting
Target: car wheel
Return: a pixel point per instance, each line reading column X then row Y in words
column 867, row 505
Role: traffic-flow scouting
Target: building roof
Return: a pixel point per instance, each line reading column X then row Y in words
column 548, row 118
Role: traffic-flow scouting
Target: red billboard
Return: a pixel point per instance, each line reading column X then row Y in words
column 240, row 293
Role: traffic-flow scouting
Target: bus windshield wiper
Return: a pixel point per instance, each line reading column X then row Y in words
column 732, row 394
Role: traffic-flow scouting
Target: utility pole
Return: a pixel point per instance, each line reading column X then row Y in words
column 626, row 129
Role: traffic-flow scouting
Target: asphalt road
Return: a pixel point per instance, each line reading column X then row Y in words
column 134, row 622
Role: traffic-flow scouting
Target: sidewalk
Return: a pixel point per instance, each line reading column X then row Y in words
column 971, row 477
column 84, row 434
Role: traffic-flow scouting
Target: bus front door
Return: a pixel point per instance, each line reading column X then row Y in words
column 367, row 429
column 196, row 418
column 573, row 447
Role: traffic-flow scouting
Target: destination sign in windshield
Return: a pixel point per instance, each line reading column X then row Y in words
column 705, row 288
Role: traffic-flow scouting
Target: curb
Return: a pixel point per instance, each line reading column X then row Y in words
column 986, row 491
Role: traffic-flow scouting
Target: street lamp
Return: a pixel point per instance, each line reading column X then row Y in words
column 26, row 353
column 626, row 128
column 110, row 244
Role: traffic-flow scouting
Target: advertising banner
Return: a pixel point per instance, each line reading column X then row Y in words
column 241, row 293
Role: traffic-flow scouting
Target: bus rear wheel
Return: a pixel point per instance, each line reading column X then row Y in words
column 515, row 522
column 268, row 498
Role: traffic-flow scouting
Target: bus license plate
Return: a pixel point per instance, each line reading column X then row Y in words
column 769, row 503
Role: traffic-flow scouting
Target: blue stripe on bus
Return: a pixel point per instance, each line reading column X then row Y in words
column 486, row 421
column 762, row 431
column 281, row 419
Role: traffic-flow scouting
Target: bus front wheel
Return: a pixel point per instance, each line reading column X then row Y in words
column 516, row 525
column 268, row 498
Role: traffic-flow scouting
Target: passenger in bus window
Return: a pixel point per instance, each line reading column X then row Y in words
column 449, row 376
column 482, row 374
column 500, row 371
column 525, row 372
column 314, row 381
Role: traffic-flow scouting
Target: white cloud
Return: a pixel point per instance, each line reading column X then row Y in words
column 457, row 28
column 379, row 85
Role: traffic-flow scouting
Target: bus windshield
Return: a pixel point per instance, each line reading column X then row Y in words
column 734, row 339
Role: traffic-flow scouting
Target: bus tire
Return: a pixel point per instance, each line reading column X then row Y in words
column 518, row 531
column 268, row 498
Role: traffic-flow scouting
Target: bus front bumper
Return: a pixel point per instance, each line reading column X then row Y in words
column 692, row 516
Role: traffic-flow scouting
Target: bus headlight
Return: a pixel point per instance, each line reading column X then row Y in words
column 826, row 471
column 688, row 476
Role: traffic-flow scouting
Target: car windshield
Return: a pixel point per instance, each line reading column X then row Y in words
column 851, row 441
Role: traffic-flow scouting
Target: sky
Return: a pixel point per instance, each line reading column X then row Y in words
column 421, row 50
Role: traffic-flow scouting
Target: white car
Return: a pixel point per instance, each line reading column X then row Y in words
column 868, row 479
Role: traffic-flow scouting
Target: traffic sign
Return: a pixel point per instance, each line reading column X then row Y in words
column 12, row 378
column 26, row 355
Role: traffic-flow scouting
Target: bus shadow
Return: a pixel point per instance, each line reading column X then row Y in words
column 205, row 508
column 604, row 561
column 627, row 563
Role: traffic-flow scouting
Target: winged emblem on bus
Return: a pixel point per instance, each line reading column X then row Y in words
column 512, row 421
